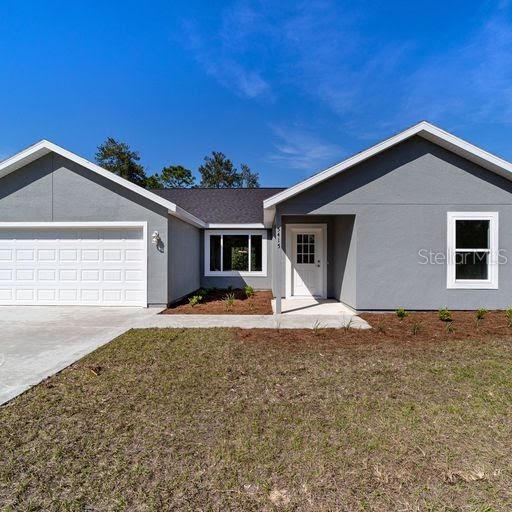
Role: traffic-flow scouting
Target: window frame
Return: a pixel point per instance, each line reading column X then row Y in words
column 232, row 273
column 492, row 266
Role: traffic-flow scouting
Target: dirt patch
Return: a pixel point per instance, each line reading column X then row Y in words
column 215, row 303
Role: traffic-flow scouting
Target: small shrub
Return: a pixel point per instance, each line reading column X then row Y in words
column 229, row 301
column 480, row 313
column 348, row 325
column 445, row 315
column 202, row 292
column 479, row 316
column 449, row 327
column 249, row 291
column 380, row 328
column 195, row 299
column 508, row 314
column 401, row 313
column 416, row 328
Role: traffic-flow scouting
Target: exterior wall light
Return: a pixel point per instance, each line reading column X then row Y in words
column 155, row 237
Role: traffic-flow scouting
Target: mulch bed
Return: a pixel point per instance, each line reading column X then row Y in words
column 214, row 303
column 387, row 327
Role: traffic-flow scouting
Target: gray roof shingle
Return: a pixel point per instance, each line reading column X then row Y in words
column 221, row 205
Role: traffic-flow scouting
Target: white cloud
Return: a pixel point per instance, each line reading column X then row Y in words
column 299, row 149
column 221, row 54
column 373, row 84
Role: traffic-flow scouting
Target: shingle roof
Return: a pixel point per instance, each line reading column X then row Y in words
column 221, row 205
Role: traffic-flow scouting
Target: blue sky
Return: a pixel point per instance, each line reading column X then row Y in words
column 287, row 87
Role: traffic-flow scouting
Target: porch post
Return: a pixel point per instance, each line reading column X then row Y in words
column 277, row 263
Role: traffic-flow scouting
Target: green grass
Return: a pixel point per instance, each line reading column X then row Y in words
column 219, row 420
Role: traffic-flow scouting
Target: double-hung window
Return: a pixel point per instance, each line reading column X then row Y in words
column 235, row 252
column 472, row 250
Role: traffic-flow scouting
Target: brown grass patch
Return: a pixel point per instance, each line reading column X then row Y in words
column 214, row 303
column 225, row 420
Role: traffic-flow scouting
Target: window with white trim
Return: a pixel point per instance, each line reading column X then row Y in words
column 235, row 252
column 472, row 250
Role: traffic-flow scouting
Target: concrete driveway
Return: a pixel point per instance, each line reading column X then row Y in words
column 36, row 342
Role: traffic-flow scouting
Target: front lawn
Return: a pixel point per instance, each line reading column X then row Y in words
column 267, row 420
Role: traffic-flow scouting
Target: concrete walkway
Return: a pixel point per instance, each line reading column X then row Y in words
column 317, row 307
column 284, row 321
column 36, row 342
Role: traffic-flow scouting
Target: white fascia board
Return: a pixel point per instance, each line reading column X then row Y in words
column 235, row 226
column 44, row 147
column 425, row 130
column 185, row 216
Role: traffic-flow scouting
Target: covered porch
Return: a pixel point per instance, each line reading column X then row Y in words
column 313, row 306
column 314, row 264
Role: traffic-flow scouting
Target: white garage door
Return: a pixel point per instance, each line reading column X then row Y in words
column 69, row 265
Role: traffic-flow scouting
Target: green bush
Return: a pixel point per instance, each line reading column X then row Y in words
column 229, row 301
column 249, row 291
column 445, row 315
column 195, row 299
column 401, row 313
column 508, row 314
column 480, row 313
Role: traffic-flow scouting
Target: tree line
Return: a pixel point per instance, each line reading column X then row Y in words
column 217, row 171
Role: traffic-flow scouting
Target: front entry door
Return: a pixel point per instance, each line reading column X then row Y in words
column 308, row 262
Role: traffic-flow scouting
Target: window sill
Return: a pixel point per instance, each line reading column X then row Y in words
column 472, row 285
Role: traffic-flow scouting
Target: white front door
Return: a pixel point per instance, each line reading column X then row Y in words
column 308, row 261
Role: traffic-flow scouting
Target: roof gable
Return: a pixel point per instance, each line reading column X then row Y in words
column 44, row 147
column 423, row 129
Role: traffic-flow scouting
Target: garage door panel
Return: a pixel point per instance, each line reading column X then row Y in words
column 6, row 255
column 5, row 294
column 73, row 266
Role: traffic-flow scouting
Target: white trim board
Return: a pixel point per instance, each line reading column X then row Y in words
column 235, row 226
column 44, row 147
column 423, row 129
column 491, row 283
column 233, row 273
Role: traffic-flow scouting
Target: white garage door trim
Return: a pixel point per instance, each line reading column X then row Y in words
column 88, row 225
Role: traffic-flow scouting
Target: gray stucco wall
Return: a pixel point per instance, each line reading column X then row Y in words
column 344, row 260
column 184, row 258
column 400, row 200
column 53, row 188
column 257, row 282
